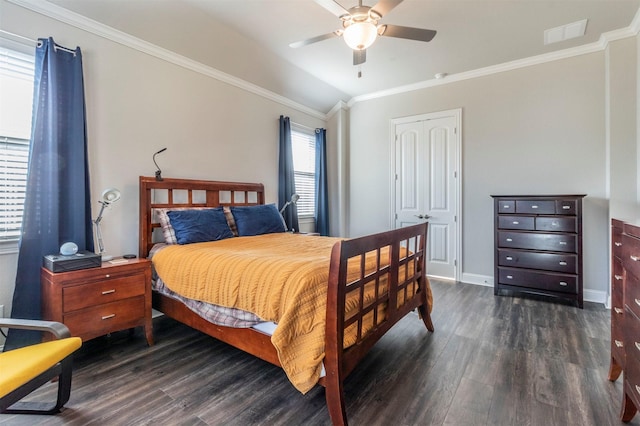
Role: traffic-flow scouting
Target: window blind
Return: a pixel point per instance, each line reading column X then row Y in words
column 304, row 164
column 14, row 159
column 16, row 97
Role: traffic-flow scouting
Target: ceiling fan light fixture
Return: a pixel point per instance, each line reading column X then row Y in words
column 360, row 35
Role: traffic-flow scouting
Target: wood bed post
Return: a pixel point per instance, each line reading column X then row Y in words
column 334, row 391
column 423, row 282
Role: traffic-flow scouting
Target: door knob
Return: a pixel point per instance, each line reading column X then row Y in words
column 422, row 216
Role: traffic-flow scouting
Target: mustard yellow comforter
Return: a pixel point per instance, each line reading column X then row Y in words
column 279, row 277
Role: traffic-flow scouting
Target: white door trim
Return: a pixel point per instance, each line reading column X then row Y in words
column 457, row 115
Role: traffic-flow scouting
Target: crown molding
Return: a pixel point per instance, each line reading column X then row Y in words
column 341, row 105
column 632, row 30
column 94, row 27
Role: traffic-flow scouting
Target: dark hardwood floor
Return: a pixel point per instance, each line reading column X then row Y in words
column 491, row 361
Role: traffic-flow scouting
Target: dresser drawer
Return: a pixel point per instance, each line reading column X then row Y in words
column 516, row 222
column 82, row 296
column 538, row 241
column 568, row 207
column 535, row 206
column 616, row 278
column 567, row 263
column 106, row 318
column 631, row 254
column 632, row 357
column 506, row 206
column 632, row 293
column 556, row 224
column 617, row 331
column 616, row 242
column 538, row 280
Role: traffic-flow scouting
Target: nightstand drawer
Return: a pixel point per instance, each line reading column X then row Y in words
column 82, row 296
column 103, row 319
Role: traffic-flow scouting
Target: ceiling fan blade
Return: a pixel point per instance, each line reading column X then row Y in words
column 385, row 6
column 359, row 57
column 410, row 33
column 315, row 39
column 333, row 7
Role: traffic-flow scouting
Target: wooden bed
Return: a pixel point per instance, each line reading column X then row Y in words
column 409, row 287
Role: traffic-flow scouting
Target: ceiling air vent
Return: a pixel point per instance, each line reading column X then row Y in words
column 565, row 32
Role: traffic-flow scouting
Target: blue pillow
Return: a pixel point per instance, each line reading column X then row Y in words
column 257, row 220
column 196, row 226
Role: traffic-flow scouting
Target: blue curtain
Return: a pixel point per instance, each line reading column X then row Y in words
column 286, row 176
column 322, row 192
column 58, row 206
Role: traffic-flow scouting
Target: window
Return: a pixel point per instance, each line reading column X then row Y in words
column 16, row 98
column 303, row 143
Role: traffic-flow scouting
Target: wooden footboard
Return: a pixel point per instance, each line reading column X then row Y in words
column 397, row 282
column 400, row 286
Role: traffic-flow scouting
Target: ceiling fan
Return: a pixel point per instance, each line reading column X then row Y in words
column 360, row 27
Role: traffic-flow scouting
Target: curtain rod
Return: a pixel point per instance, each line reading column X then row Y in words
column 35, row 42
column 302, row 126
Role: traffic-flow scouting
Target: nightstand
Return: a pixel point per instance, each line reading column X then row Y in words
column 97, row 301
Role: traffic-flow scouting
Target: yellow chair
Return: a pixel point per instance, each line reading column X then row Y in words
column 25, row 369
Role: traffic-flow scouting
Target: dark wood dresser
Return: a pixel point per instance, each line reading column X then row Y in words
column 538, row 245
column 625, row 313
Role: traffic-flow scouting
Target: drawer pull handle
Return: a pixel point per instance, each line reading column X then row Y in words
column 637, row 302
column 563, row 283
column 617, row 244
column 509, row 258
column 107, row 276
column 506, row 206
column 618, row 310
column 637, row 388
column 509, row 239
column 637, row 345
column 562, row 263
column 566, row 207
column 563, row 243
column 106, row 317
column 515, row 222
column 113, row 290
column 634, row 258
column 534, row 207
column 618, row 277
column 509, row 277
column 619, row 343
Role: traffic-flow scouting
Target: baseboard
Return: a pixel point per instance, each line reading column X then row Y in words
column 596, row 296
column 477, row 279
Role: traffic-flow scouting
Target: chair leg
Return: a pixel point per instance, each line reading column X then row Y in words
column 62, row 371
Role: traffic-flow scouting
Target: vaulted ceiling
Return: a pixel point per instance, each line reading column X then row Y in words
column 250, row 38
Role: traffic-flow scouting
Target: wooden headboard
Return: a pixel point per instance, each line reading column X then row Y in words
column 180, row 193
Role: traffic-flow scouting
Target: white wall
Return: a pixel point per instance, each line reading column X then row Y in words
column 137, row 104
column 622, row 79
column 535, row 130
